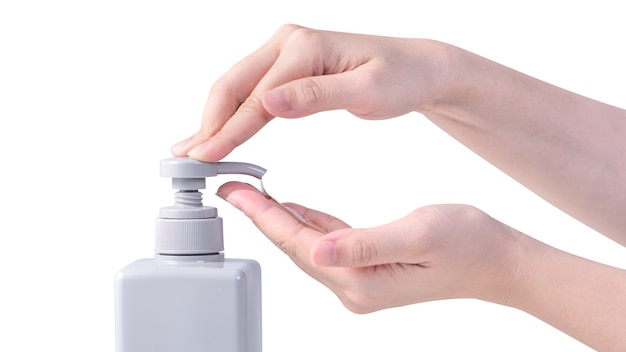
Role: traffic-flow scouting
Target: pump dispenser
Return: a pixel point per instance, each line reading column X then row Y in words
column 189, row 297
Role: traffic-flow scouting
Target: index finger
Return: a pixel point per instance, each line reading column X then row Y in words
column 227, row 96
column 286, row 232
column 294, row 59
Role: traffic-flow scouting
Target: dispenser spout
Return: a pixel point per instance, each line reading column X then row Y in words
column 189, row 174
column 229, row 167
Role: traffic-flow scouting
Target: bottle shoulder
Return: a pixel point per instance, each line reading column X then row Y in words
column 228, row 267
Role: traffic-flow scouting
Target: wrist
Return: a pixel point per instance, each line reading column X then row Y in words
column 516, row 278
column 582, row 298
column 431, row 73
column 449, row 69
column 510, row 277
column 506, row 276
column 470, row 90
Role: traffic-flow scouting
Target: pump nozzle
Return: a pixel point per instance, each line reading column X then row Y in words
column 188, row 227
column 189, row 174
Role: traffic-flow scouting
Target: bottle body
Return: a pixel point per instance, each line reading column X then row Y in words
column 196, row 303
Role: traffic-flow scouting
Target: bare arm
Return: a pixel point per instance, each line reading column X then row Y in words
column 569, row 149
column 584, row 299
column 565, row 147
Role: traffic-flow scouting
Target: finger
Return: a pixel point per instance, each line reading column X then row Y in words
column 317, row 87
column 326, row 222
column 309, row 95
column 342, row 78
column 391, row 243
column 231, row 90
column 293, row 62
column 286, row 232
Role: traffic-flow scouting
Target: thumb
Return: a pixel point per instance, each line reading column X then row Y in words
column 364, row 247
column 310, row 95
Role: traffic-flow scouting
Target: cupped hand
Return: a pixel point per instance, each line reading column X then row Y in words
column 436, row 252
column 300, row 71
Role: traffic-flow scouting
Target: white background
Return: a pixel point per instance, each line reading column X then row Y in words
column 93, row 94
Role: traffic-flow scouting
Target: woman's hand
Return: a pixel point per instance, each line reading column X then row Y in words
column 300, row 71
column 441, row 252
column 565, row 147
column 436, row 252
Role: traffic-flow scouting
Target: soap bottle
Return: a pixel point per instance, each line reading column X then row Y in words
column 189, row 297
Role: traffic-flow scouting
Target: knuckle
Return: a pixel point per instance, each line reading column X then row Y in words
column 306, row 36
column 223, row 86
column 289, row 245
column 311, row 91
column 286, row 247
column 254, row 107
column 286, row 30
column 363, row 252
column 284, row 242
column 302, row 39
column 290, row 35
column 205, row 132
column 226, row 141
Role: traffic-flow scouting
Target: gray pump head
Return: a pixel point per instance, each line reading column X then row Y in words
column 188, row 227
column 189, row 174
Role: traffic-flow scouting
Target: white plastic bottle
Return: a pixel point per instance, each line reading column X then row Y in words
column 189, row 297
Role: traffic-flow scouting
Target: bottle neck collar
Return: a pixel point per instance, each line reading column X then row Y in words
column 193, row 258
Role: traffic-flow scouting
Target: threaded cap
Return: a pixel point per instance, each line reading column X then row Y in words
column 188, row 236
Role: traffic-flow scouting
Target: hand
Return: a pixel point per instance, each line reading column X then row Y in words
column 300, row 71
column 436, row 252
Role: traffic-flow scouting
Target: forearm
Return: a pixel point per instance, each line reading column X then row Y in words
column 567, row 148
column 585, row 299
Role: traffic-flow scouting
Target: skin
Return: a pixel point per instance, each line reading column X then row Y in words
column 565, row 147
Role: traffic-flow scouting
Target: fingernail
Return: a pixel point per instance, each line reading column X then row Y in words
column 225, row 196
column 325, row 253
column 223, row 193
column 176, row 148
column 277, row 100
